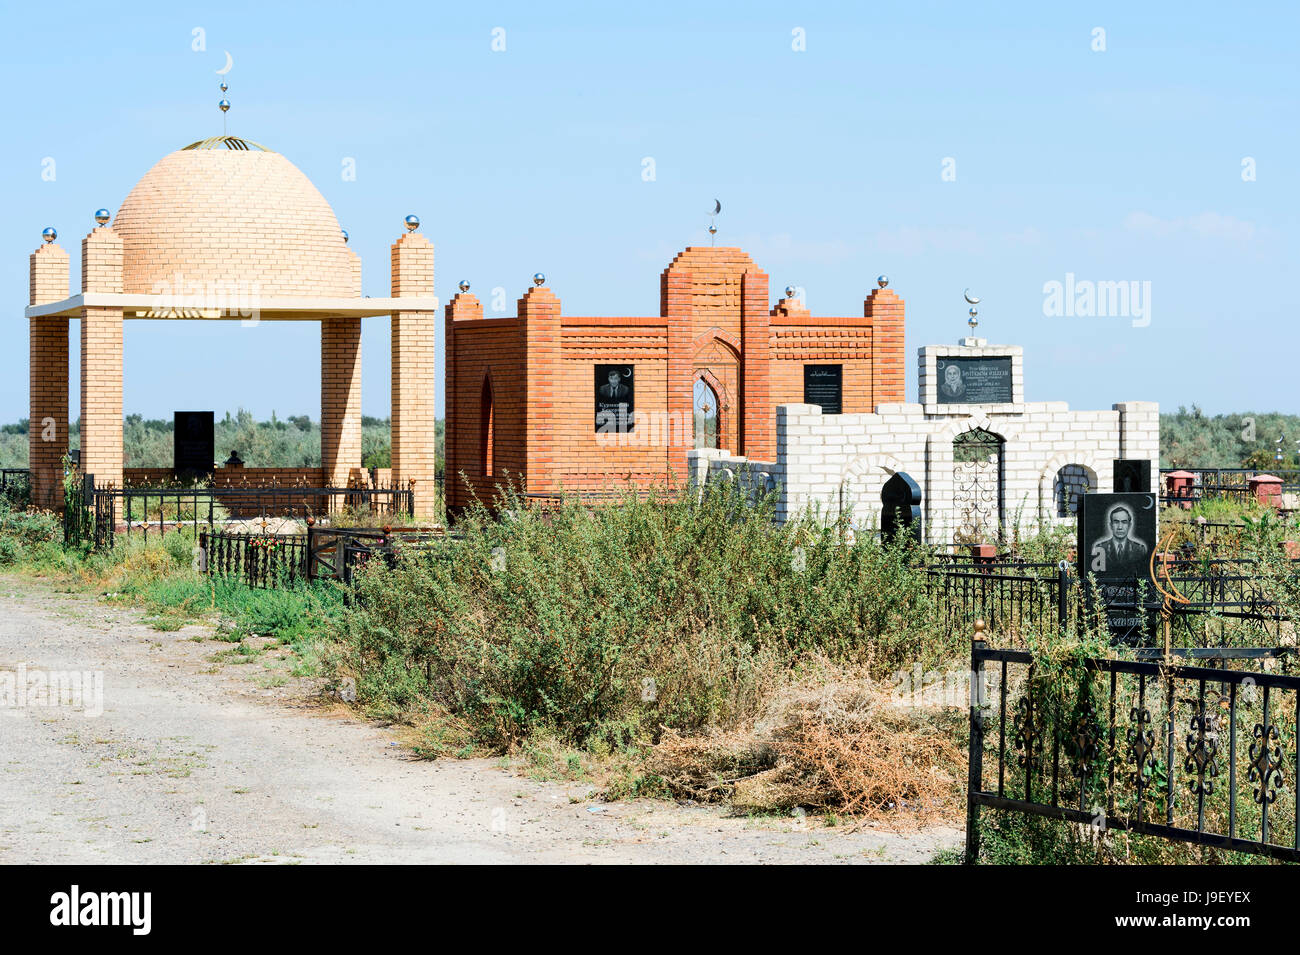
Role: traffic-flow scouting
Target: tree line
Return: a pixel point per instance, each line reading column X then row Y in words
column 1188, row 438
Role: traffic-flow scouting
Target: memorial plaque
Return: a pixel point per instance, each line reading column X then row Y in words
column 974, row 380
column 1117, row 534
column 1132, row 475
column 823, row 385
column 615, row 395
column 900, row 512
column 193, row 444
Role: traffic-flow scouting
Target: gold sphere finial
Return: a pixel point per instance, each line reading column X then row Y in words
column 979, row 626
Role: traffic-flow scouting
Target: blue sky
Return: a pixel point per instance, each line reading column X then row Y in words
column 1116, row 165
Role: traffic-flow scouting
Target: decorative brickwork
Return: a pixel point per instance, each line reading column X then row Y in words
column 714, row 324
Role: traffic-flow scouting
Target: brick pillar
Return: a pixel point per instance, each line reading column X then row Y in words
column 676, row 305
column 885, row 310
column 340, row 398
column 539, row 329
column 457, row 453
column 101, row 359
column 1139, row 433
column 758, row 423
column 47, row 424
column 413, row 375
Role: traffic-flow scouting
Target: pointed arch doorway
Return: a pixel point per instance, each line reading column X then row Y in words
column 978, row 473
column 707, row 414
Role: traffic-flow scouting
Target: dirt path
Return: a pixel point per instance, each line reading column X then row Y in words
column 197, row 761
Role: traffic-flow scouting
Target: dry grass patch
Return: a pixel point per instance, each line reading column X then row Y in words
column 842, row 745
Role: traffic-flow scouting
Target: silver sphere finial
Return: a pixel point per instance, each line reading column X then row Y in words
column 345, row 236
column 463, row 286
column 102, row 216
column 224, row 87
column 224, row 106
column 49, row 233
column 973, row 321
column 882, row 281
column 539, row 278
column 412, row 223
column 789, row 291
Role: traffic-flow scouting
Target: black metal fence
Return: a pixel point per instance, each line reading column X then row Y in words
column 1013, row 597
column 147, row 509
column 15, row 486
column 323, row 553
column 257, row 560
column 1183, row 750
column 1225, row 483
column 1008, row 596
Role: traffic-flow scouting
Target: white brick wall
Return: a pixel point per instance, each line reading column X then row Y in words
column 825, row 462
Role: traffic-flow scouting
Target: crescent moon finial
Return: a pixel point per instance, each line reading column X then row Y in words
column 717, row 207
column 972, row 299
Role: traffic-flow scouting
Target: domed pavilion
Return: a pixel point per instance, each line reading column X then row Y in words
column 227, row 229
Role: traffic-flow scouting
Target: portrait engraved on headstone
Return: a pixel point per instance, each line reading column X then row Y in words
column 615, row 398
column 1117, row 536
column 974, row 380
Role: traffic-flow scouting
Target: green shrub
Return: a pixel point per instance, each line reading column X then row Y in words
column 607, row 624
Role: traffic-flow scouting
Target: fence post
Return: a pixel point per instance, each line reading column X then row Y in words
column 1063, row 596
column 975, row 776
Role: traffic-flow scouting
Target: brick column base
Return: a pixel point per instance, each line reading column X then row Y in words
column 101, row 394
column 47, row 427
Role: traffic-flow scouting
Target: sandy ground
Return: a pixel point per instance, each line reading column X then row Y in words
column 198, row 760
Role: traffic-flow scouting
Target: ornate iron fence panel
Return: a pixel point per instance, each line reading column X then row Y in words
column 1191, row 751
column 256, row 560
column 147, row 510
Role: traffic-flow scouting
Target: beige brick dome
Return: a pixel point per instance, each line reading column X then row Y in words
column 230, row 214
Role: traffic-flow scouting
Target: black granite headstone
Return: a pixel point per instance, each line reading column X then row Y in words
column 900, row 511
column 193, row 447
column 1132, row 475
column 1117, row 535
column 974, row 380
column 823, row 385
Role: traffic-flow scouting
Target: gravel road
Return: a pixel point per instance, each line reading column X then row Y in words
column 200, row 760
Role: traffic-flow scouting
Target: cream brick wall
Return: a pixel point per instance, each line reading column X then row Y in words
column 414, row 376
